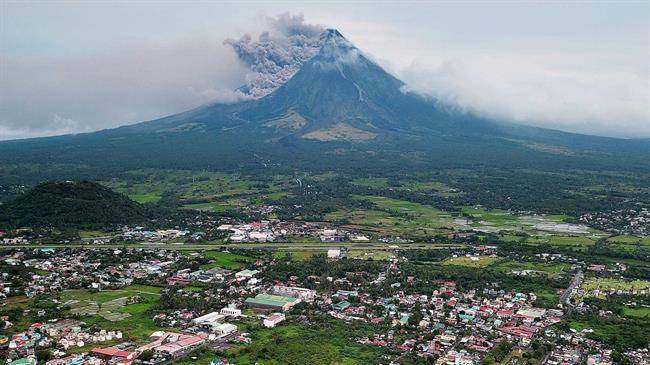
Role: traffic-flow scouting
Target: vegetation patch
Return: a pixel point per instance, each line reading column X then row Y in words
column 473, row 261
column 332, row 342
column 226, row 260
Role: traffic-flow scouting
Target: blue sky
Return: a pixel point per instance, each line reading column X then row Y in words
column 69, row 67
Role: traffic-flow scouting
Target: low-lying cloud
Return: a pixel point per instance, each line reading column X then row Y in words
column 43, row 96
column 523, row 90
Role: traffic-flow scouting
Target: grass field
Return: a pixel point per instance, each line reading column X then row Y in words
column 211, row 206
column 145, row 291
column 482, row 261
column 327, row 343
column 640, row 312
column 630, row 240
column 558, row 240
column 614, row 284
column 435, row 187
column 131, row 319
column 226, row 260
column 91, row 234
column 372, row 182
column 145, row 198
column 551, row 270
column 493, row 217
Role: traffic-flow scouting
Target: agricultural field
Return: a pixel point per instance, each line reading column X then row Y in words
column 197, row 189
column 629, row 244
column 400, row 216
column 559, row 240
column 435, row 187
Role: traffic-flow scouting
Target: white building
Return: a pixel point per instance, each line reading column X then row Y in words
column 305, row 294
column 208, row 318
column 337, row 253
column 246, row 274
column 224, row 329
column 231, row 311
column 273, row 319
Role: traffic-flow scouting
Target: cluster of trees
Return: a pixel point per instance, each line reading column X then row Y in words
column 81, row 204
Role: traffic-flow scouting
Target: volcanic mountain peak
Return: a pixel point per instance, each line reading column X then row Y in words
column 336, row 49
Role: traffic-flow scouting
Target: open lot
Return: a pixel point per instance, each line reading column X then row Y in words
column 122, row 309
column 226, row 260
column 615, row 284
column 475, row 262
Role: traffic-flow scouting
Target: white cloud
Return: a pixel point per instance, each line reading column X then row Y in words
column 528, row 90
column 126, row 84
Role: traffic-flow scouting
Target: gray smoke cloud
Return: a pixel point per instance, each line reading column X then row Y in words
column 277, row 54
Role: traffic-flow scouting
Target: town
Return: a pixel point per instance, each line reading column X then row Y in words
column 154, row 306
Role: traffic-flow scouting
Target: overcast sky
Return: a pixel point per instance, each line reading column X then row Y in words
column 68, row 67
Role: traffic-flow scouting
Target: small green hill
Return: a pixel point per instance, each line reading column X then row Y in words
column 82, row 204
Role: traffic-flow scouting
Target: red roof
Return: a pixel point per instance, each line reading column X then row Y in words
column 189, row 341
column 112, row 352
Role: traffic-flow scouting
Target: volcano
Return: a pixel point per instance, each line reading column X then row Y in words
column 338, row 94
column 339, row 110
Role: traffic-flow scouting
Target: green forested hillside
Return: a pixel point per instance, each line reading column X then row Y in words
column 81, row 204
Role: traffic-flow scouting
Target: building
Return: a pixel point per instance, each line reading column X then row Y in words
column 208, row 319
column 177, row 280
column 231, row 311
column 273, row 319
column 182, row 346
column 271, row 302
column 342, row 305
column 303, row 294
column 223, row 329
column 246, row 274
column 337, row 253
column 112, row 353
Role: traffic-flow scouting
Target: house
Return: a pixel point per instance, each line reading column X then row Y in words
column 273, row 319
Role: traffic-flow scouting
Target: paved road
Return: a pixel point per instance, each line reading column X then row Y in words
column 277, row 246
column 565, row 299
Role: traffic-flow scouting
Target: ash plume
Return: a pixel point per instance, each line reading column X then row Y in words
column 277, row 54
